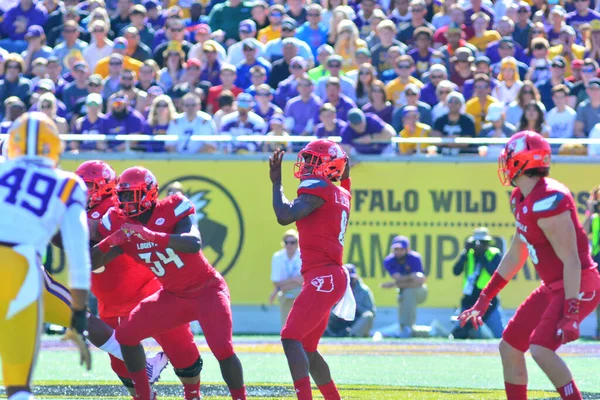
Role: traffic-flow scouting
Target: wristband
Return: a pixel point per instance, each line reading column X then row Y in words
column 104, row 245
column 79, row 321
column 494, row 286
column 162, row 239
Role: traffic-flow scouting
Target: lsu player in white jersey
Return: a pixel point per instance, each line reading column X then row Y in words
column 36, row 199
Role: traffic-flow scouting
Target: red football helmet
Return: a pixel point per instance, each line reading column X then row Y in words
column 137, row 191
column 100, row 179
column 524, row 151
column 322, row 158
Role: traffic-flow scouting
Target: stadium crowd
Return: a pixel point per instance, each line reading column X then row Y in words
column 366, row 71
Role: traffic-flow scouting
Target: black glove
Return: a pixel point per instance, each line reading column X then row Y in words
column 79, row 322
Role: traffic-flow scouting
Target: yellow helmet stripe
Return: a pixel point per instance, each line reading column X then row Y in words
column 67, row 190
column 33, row 125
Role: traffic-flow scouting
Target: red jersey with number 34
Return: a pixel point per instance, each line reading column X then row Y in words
column 122, row 283
column 177, row 272
column 547, row 199
column 322, row 233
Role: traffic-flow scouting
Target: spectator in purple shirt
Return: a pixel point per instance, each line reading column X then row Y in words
column 406, row 269
column 288, row 88
column 423, row 51
column 16, row 21
column 477, row 6
column 13, row 83
column 211, row 69
column 363, row 18
column 122, row 120
column 342, row 103
column 482, row 66
column 330, row 125
column 437, row 73
column 263, row 105
column 582, row 14
column 505, row 28
column 301, row 110
column 92, row 123
column 46, row 86
column 161, row 113
column 378, row 103
column 366, row 134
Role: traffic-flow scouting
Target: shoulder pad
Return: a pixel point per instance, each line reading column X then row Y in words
column 184, row 206
column 548, row 203
column 312, row 183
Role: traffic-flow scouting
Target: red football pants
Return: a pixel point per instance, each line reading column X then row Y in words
column 178, row 344
column 163, row 311
column 536, row 320
column 322, row 289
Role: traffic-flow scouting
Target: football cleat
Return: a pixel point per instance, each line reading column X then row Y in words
column 155, row 366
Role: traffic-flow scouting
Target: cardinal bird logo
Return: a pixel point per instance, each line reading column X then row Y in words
column 323, row 283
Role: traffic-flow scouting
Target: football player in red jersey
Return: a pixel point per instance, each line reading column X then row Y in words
column 123, row 283
column 164, row 236
column 548, row 230
column 321, row 213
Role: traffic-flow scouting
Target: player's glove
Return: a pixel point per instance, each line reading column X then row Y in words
column 77, row 333
column 143, row 233
column 115, row 239
column 475, row 314
column 568, row 327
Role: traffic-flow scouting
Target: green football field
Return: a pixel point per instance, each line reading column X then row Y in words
column 388, row 369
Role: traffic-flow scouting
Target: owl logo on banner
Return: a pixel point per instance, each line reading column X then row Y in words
column 323, row 283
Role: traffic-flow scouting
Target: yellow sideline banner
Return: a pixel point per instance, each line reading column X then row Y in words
column 436, row 205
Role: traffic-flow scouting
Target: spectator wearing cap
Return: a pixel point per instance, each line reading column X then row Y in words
column 561, row 119
column 147, row 77
column 576, row 75
column 247, row 31
column 227, row 17
column 476, row 7
column 244, row 121
column 192, row 73
column 556, row 19
column 71, row 45
column 366, row 134
column 412, row 93
column 592, row 44
column 172, row 15
column 372, row 39
column 386, row 31
column 258, row 76
column 17, row 20
column 558, row 66
column 274, row 48
column 494, row 53
column 263, row 105
column 175, row 33
column 137, row 16
column 54, row 72
column 523, row 26
column 365, row 310
column 443, row 89
column 121, row 120
column 347, row 43
column 406, row 270
column 138, row 99
column 363, row 18
column 404, row 67
column 455, row 38
column 54, row 10
column 173, row 71
column 91, row 123
column 539, row 66
column 510, row 82
column 202, row 36
column 527, row 93
column 154, row 15
column 273, row 30
column 46, row 86
column 455, row 123
column 582, row 14
column 135, row 48
column 36, row 46
column 250, row 60
column 13, row 109
column 121, row 18
column 57, row 34
column 39, row 68
column 334, row 66
column 260, row 14
column 462, row 67
column 296, row 10
column 588, row 111
column 13, row 83
column 400, row 12
column 301, row 112
column 192, row 123
column 423, row 52
column 418, row 11
column 496, row 127
column 482, row 35
column 457, row 20
column 282, row 68
column 100, row 47
column 112, row 83
column 437, row 73
column 197, row 15
column 77, row 89
column 330, row 125
column 288, row 88
column 119, row 49
column 589, row 71
column 412, row 128
column 276, row 128
column 211, row 67
column 227, row 76
column 285, row 274
column 567, row 48
column 323, row 52
column 312, row 31
column 506, row 48
column 47, row 105
column 478, row 105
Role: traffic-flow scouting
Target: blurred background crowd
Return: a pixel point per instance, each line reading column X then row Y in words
column 366, row 70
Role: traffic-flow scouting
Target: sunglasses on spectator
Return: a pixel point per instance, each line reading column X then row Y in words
column 417, row 9
column 334, row 65
column 127, row 78
column 411, row 94
column 436, row 76
column 305, row 84
column 537, row 32
column 296, row 66
column 445, row 92
column 98, row 30
column 115, row 63
column 523, row 10
column 46, row 106
column 263, row 94
column 313, row 14
column 69, row 30
column 13, row 66
column 161, row 105
column 481, row 86
column 189, row 105
column 403, row 66
column 365, row 72
column 145, row 71
column 276, row 14
column 291, row 242
column 93, row 104
column 454, row 101
column 527, row 91
column 177, row 29
column 286, row 30
column 376, row 91
column 588, row 70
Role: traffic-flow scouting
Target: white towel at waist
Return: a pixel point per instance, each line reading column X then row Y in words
column 346, row 307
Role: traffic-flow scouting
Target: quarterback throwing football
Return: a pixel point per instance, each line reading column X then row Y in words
column 549, row 232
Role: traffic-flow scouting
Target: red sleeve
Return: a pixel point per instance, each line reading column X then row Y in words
column 552, row 203
column 315, row 187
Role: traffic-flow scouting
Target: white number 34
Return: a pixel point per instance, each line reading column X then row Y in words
column 158, row 266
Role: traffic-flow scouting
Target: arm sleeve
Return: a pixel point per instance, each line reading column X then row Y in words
column 75, row 238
